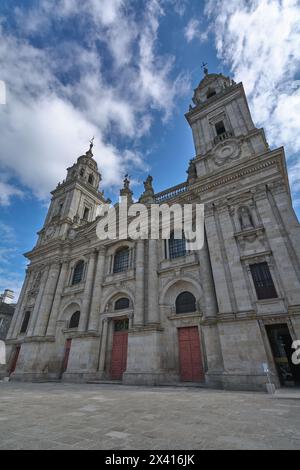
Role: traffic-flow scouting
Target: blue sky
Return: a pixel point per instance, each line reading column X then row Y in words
column 124, row 71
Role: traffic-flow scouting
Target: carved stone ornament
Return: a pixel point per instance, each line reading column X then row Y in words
column 225, row 151
column 71, row 234
column 49, row 232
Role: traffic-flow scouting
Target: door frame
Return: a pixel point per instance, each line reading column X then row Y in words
column 14, row 359
column 201, row 349
column 64, row 365
column 113, row 321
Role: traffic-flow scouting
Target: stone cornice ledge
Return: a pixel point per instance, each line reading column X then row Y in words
column 144, row 329
column 39, row 339
column 81, row 334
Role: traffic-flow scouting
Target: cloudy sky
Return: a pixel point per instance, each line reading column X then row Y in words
column 124, row 71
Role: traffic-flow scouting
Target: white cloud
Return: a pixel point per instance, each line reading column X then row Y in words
column 193, row 31
column 7, row 191
column 47, row 121
column 260, row 42
column 8, row 252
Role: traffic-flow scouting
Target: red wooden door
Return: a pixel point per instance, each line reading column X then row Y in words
column 119, row 355
column 190, row 360
column 66, row 356
column 14, row 359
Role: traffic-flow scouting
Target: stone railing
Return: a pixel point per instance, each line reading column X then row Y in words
column 221, row 137
column 171, row 192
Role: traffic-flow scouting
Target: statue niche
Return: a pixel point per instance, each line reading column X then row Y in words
column 245, row 218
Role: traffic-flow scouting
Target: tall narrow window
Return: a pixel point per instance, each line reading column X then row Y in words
column 177, row 247
column 185, row 303
column 78, row 272
column 121, row 260
column 220, row 128
column 74, row 322
column 25, row 322
column 60, row 208
column 91, row 179
column 86, row 214
column 210, row 93
column 263, row 281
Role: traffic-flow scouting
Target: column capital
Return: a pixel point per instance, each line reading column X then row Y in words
column 102, row 250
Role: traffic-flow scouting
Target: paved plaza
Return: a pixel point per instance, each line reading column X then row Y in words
column 109, row 416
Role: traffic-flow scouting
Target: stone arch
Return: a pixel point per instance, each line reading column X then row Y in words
column 118, row 246
column 176, row 286
column 111, row 297
column 68, row 310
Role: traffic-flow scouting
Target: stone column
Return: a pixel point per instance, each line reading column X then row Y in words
column 18, row 314
column 87, row 294
column 209, row 296
column 48, row 299
column 153, row 311
column 139, row 284
column 102, row 354
column 57, row 298
column 96, row 297
column 38, row 301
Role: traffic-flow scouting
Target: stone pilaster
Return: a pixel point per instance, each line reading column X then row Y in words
column 219, row 269
column 57, row 299
column 102, row 355
column 18, row 314
column 153, row 311
column 87, row 295
column 38, row 302
column 209, row 296
column 139, row 284
column 47, row 300
column 93, row 323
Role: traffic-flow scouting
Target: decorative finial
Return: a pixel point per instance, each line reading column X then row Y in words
column 205, row 69
column 89, row 152
column 126, row 191
column 126, row 181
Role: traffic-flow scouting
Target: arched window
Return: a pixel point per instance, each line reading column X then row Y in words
column 210, row 93
column 91, row 179
column 78, row 272
column 86, row 214
column 74, row 321
column 185, row 303
column 121, row 260
column 122, row 303
column 176, row 246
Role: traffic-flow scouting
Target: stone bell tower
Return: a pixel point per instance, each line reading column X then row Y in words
column 223, row 130
column 75, row 200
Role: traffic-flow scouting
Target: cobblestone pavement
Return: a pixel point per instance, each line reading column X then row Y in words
column 83, row 416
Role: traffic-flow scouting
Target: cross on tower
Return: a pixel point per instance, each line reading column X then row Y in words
column 205, row 69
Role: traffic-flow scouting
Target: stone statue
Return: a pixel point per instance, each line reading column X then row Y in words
column 192, row 171
column 126, row 191
column 126, row 181
column 245, row 218
column 148, row 184
column 148, row 195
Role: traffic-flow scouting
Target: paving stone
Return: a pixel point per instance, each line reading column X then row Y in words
column 44, row 416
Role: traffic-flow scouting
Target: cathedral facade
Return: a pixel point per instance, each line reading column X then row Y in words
column 151, row 311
